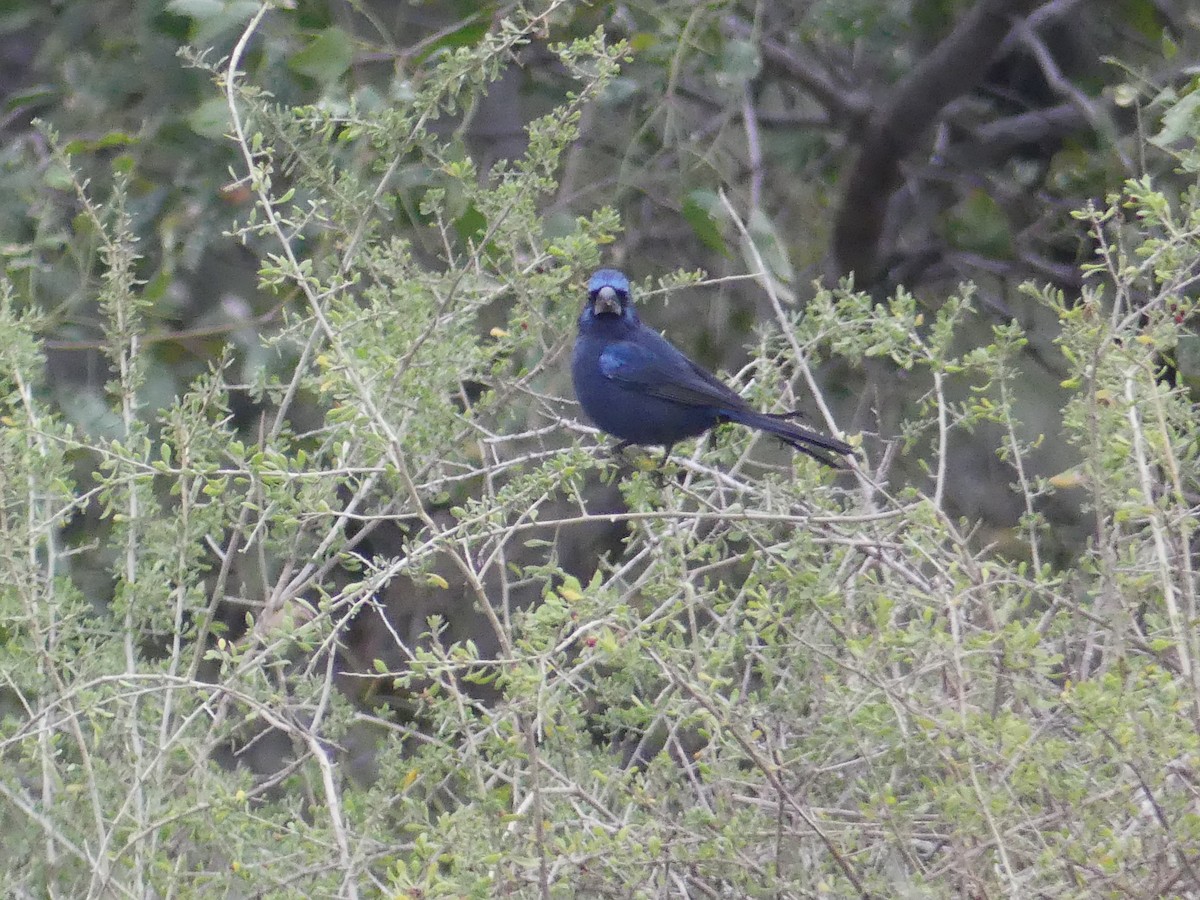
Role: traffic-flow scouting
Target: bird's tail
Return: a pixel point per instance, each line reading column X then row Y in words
column 805, row 441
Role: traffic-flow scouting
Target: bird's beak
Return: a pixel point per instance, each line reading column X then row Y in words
column 607, row 301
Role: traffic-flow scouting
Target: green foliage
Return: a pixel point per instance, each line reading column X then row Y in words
column 774, row 682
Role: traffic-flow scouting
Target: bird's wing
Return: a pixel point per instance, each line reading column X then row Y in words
column 656, row 368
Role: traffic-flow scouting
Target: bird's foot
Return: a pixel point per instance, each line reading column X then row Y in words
column 618, row 452
column 660, row 467
column 661, row 470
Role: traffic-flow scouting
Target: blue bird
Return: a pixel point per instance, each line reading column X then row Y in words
column 638, row 387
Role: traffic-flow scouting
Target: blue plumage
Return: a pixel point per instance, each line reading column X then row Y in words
column 638, row 387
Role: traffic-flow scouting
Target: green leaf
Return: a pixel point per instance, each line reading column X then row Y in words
column 467, row 36
column 765, row 239
column 1187, row 358
column 978, row 223
column 210, row 119
column 58, row 177
column 326, row 57
column 739, row 63
column 112, row 139
column 620, row 90
column 34, row 95
column 196, row 9
column 212, row 18
column 1180, row 121
column 643, row 40
column 696, row 208
column 471, row 225
column 1170, row 49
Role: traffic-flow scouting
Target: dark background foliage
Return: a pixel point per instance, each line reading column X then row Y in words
column 916, row 144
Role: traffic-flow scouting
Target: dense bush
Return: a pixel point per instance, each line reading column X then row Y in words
column 407, row 629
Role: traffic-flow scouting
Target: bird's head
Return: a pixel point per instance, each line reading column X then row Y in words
column 609, row 297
